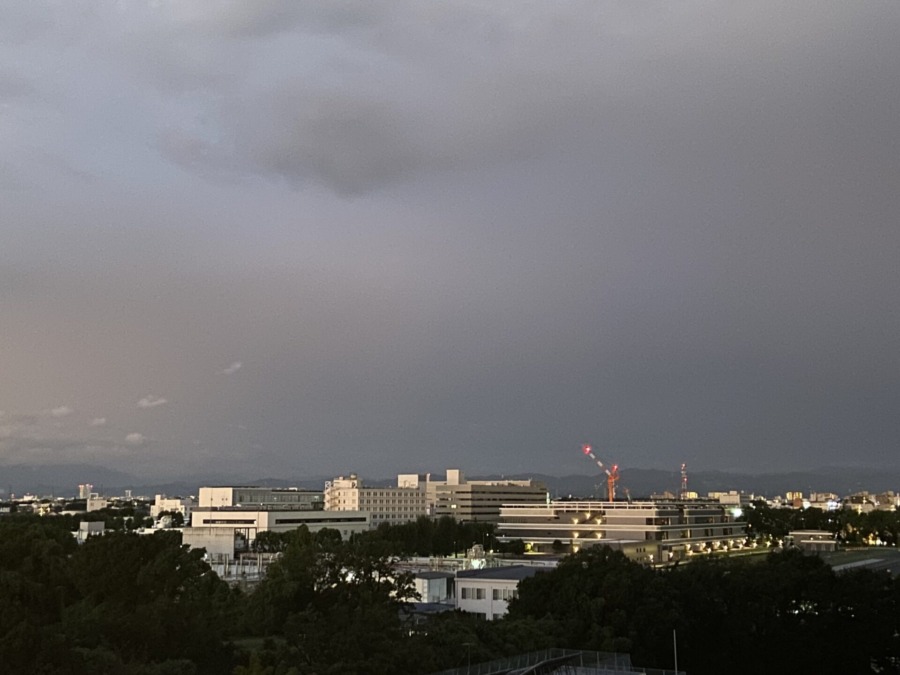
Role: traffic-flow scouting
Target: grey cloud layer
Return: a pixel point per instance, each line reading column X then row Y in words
column 456, row 233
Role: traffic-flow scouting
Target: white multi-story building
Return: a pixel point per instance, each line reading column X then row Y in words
column 652, row 532
column 229, row 530
column 473, row 500
column 163, row 504
column 383, row 504
column 228, row 519
column 486, row 592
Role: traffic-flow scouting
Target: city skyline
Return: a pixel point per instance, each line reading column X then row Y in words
column 288, row 238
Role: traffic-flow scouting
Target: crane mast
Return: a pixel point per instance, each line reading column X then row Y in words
column 612, row 475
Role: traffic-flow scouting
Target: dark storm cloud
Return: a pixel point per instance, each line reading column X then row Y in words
column 471, row 234
column 455, row 87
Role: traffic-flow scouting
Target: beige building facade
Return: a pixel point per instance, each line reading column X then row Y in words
column 394, row 505
column 476, row 500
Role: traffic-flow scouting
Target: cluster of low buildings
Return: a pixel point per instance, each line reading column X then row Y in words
column 227, row 520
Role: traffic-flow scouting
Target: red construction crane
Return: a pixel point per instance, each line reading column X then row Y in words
column 612, row 475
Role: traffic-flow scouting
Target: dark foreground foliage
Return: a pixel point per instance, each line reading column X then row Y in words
column 121, row 603
column 145, row 605
column 786, row 613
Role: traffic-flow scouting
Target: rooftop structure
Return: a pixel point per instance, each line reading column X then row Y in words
column 288, row 498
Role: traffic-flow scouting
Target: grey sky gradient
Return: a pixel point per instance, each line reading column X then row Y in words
column 308, row 238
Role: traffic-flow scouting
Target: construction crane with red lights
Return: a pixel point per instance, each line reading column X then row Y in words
column 612, row 475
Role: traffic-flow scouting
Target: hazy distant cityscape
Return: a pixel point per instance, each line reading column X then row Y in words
column 62, row 481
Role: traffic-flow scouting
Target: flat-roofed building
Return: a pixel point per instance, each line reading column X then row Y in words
column 260, row 496
column 651, row 532
column 812, row 541
column 233, row 529
column 95, row 503
column 228, row 519
column 163, row 504
column 486, row 592
column 473, row 500
column 393, row 505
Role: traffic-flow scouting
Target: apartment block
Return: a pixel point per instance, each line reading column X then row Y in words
column 393, row 505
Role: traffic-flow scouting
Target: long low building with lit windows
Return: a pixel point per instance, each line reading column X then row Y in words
column 646, row 531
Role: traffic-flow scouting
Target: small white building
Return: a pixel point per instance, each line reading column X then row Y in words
column 96, row 503
column 163, row 504
column 487, row 592
column 89, row 529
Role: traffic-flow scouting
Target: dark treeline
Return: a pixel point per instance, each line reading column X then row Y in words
column 122, row 603
column 850, row 526
column 782, row 613
column 434, row 537
column 130, row 516
column 142, row 604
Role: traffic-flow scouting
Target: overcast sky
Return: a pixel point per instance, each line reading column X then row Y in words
column 298, row 238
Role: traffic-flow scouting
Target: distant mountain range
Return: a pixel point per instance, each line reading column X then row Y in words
column 644, row 482
column 62, row 480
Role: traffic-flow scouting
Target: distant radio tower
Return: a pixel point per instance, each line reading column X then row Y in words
column 684, row 488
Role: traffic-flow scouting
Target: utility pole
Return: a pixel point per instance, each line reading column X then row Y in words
column 675, row 649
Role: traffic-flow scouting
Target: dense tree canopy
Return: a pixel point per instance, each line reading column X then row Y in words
column 336, row 606
column 120, row 603
column 144, row 604
column 783, row 613
column 433, row 536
